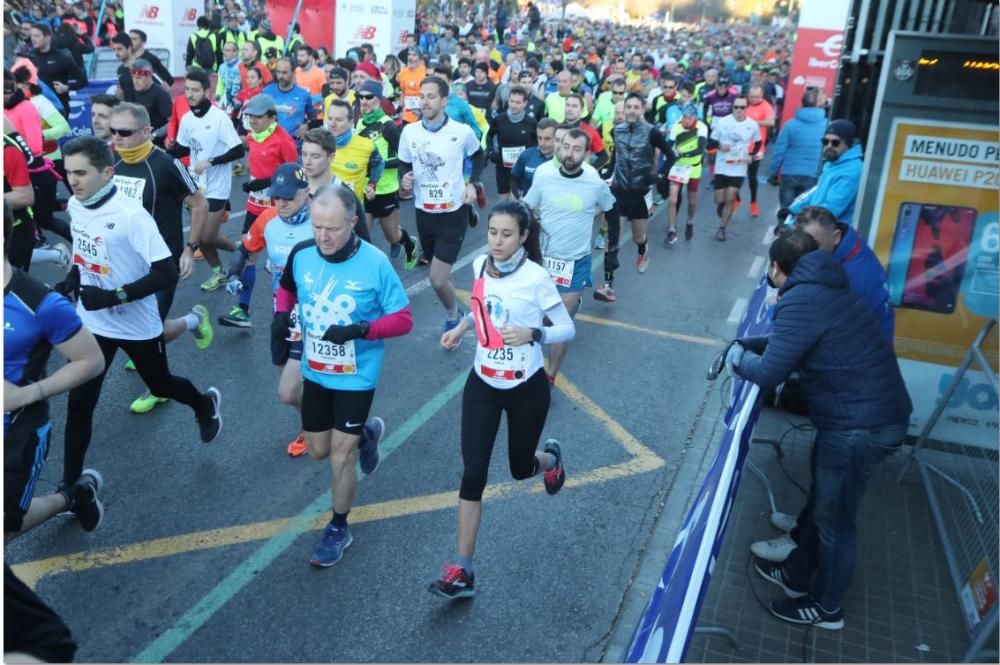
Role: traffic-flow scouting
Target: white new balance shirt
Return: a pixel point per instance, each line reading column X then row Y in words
column 114, row 245
column 209, row 136
column 438, row 159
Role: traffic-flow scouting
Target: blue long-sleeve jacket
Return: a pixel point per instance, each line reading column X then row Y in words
column 867, row 278
column 798, row 149
column 822, row 328
column 837, row 188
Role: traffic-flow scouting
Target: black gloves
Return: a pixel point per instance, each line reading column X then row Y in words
column 256, row 184
column 94, row 297
column 70, row 286
column 341, row 334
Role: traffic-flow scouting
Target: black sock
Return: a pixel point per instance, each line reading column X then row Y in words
column 245, row 308
column 609, row 277
column 642, row 248
column 407, row 241
column 339, row 519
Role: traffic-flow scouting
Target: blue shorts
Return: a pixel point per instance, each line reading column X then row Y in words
column 581, row 276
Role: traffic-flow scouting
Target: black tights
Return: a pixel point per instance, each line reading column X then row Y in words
column 44, row 184
column 150, row 359
column 752, row 171
column 527, row 405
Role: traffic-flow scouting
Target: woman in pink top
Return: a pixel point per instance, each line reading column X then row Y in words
column 22, row 113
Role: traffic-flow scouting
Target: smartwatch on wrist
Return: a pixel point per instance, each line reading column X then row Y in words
column 537, row 335
column 121, row 295
column 193, row 246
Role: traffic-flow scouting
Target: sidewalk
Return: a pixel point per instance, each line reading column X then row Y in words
column 901, row 606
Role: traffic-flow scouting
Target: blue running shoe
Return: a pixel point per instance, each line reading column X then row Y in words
column 331, row 549
column 452, row 323
column 368, row 446
column 395, row 249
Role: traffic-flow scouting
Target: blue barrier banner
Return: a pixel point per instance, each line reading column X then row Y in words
column 666, row 626
column 79, row 106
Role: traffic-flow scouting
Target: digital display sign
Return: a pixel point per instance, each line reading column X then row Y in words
column 958, row 76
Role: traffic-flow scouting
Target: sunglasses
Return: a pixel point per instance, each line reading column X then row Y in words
column 833, row 143
column 276, row 199
column 670, row 87
column 124, row 133
column 617, row 93
column 739, row 108
column 368, row 96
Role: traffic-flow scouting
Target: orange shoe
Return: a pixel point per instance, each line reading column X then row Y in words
column 298, row 447
column 754, row 209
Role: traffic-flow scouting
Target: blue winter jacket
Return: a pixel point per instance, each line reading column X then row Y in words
column 837, row 187
column 822, row 329
column 798, row 149
column 867, row 278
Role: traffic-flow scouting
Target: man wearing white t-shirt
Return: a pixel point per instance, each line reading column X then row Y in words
column 436, row 155
column 208, row 135
column 120, row 261
column 738, row 139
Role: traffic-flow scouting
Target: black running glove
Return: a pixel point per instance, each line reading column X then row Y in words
column 342, row 334
column 94, row 297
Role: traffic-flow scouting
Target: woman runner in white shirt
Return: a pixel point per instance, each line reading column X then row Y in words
column 511, row 298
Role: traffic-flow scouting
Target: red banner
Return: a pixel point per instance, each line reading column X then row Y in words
column 815, row 62
column 316, row 18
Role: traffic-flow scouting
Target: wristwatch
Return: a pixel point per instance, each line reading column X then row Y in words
column 121, row 295
column 537, row 335
column 193, row 246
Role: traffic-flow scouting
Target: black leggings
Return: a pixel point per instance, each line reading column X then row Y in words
column 44, row 183
column 526, row 407
column 150, row 359
column 21, row 244
column 752, row 171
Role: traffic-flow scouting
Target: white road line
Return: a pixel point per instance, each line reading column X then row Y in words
column 736, row 313
column 418, row 287
column 768, row 236
column 756, row 267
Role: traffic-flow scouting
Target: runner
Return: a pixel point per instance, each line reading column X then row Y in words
column 120, row 262
column 434, row 155
column 512, row 299
column 207, row 135
column 688, row 139
column 294, row 104
column 164, row 188
column 349, row 299
column 317, row 162
column 523, row 173
column 36, row 320
column 760, row 111
column 737, row 138
column 269, row 146
column 374, row 124
column 635, row 162
column 510, row 134
column 410, row 83
column 565, row 197
column 358, row 163
column 278, row 230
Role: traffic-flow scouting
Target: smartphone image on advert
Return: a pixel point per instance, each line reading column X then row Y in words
column 937, row 237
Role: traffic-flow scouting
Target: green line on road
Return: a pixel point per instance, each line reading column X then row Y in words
column 246, row 572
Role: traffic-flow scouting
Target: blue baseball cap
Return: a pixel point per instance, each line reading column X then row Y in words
column 288, row 180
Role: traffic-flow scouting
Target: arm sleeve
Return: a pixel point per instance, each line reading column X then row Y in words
column 159, row 69
column 562, row 328
column 390, row 132
column 699, row 149
column 162, row 274
column 178, row 150
column 478, row 163
column 396, row 324
column 230, row 155
column 58, row 126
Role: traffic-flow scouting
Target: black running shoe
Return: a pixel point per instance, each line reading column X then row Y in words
column 454, row 584
column 773, row 573
column 210, row 423
column 85, row 500
column 556, row 476
column 806, row 611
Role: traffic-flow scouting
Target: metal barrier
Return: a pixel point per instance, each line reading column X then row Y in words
column 961, row 483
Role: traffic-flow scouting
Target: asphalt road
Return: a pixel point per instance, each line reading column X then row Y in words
column 203, row 554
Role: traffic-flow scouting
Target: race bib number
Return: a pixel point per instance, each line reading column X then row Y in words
column 736, row 155
column 260, row 198
column 329, row 358
column 648, row 198
column 680, row 173
column 505, row 364
column 411, row 103
column 131, row 187
column 510, row 155
column 435, row 196
column 560, row 270
column 90, row 253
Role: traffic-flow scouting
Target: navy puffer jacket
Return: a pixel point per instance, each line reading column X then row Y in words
column 849, row 374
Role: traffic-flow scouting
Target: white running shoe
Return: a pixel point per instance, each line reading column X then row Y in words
column 776, row 549
column 783, row 521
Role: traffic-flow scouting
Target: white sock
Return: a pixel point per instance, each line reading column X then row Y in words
column 191, row 321
column 46, row 255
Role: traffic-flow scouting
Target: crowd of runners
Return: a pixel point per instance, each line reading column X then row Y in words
column 584, row 126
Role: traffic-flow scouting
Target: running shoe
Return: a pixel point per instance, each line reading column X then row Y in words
column 775, row 574
column 688, row 231
column 480, row 195
column 65, row 256
column 605, row 293
column 754, row 209
column 720, row 235
column 215, row 282
column 642, row 263
column 411, row 258
column 600, row 242
column 808, row 612
column 129, row 365
column 776, row 549
column 298, row 447
column 331, row 548
column 146, row 403
column 450, row 324
column 85, row 501
column 203, row 334
column 267, row 266
column 455, row 583
column 556, row 476
column 395, row 249
column 238, row 170
column 671, row 236
column 368, row 449
column 783, row 521
column 236, row 318
column 211, row 423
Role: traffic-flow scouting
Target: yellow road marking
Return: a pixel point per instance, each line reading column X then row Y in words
column 642, row 460
column 680, row 337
